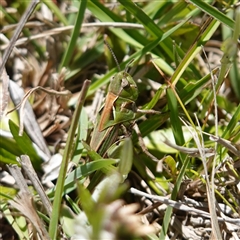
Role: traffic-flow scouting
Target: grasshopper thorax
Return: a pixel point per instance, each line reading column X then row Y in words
column 124, row 86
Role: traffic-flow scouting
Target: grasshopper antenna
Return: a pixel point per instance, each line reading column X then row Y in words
column 110, row 49
column 128, row 64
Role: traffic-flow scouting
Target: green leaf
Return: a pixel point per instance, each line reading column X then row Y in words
column 194, row 50
column 67, row 220
column 155, row 99
column 25, row 144
column 7, row 157
column 87, row 203
column 174, row 118
column 170, row 161
column 126, row 158
column 10, row 145
column 81, row 172
column 7, row 193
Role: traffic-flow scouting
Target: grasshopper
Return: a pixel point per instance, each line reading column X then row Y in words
column 119, row 108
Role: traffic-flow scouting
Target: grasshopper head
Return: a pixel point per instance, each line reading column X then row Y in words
column 124, row 86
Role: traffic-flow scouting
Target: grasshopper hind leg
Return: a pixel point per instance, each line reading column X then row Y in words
column 160, row 165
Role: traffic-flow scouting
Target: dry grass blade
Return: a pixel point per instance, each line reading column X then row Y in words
column 18, row 30
column 194, row 152
column 216, row 234
column 24, row 204
column 30, row 122
column 227, row 144
column 4, row 93
column 183, row 207
column 60, row 30
column 28, row 169
column 25, row 98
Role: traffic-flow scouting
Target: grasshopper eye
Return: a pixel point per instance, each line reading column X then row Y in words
column 124, row 83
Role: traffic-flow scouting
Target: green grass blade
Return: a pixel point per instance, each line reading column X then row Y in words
column 174, row 117
column 19, row 225
column 168, row 213
column 194, row 88
column 7, row 157
column 212, row 11
column 235, row 78
column 83, row 171
column 126, row 158
column 10, row 145
column 66, row 158
column 25, row 144
column 105, row 15
column 75, row 34
column 194, row 50
column 149, row 24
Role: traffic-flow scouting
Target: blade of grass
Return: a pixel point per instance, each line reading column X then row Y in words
column 179, row 8
column 179, row 138
column 193, row 89
column 21, row 229
column 153, row 8
column 106, row 15
column 149, row 24
column 17, row 32
column 7, row 157
column 229, row 48
column 10, row 145
column 75, row 34
column 83, row 171
column 235, row 78
column 86, row 58
column 154, row 30
column 212, row 11
column 66, row 158
column 151, row 124
column 81, row 135
column 7, row 15
column 126, row 159
column 194, row 50
column 168, row 212
column 174, row 117
column 25, row 144
column 130, row 36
